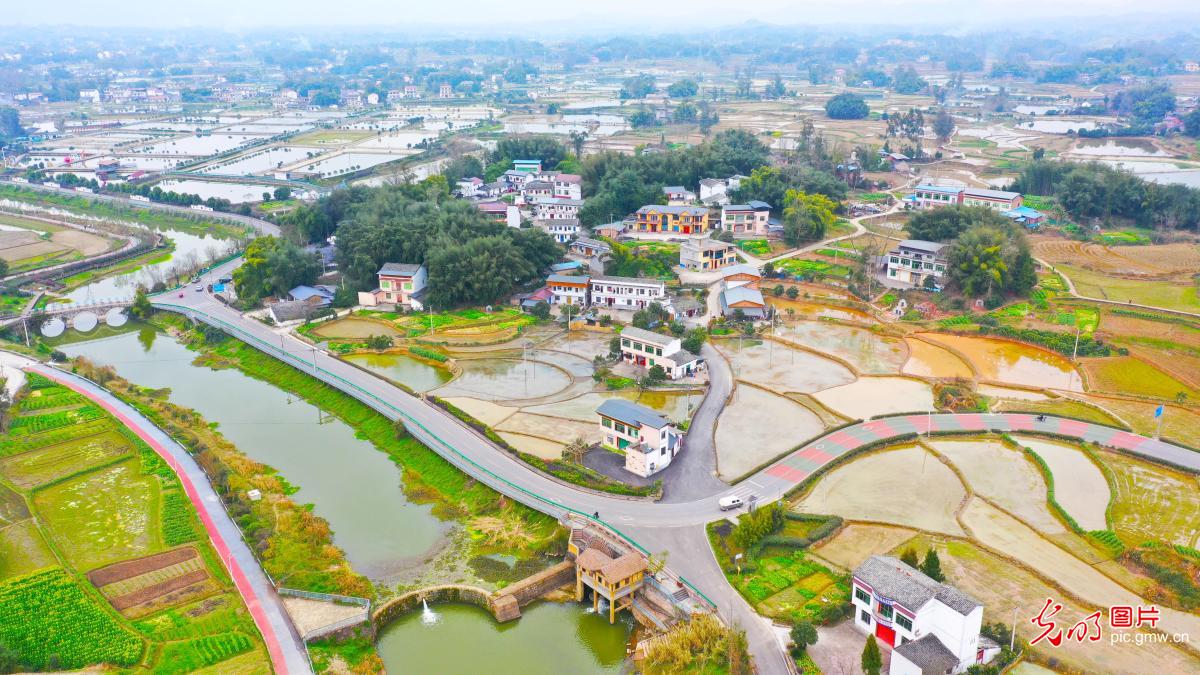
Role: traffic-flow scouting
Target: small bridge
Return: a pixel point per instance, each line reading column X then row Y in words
column 68, row 313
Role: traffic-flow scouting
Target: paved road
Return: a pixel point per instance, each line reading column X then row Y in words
column 472, row 453
column 286, row 649
column 692, row 474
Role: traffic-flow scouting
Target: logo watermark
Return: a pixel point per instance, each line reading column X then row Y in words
column 1124, row 619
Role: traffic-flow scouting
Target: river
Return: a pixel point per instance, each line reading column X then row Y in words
column 348, row 481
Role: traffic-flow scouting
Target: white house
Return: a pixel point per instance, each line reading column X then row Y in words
column 550, row 208
column 648, row 440
column 750, row 218
column 677, row 195
column 568, row 186
column 931, row 627
column 913, row 260
column 647, row 349
column 713, row 192
column 934, row 196
column 400, row 284
column 628, row 293
column 562, row 229
column 567, row 289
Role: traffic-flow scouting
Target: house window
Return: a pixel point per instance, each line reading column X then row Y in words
column 885, row 611
column 866, row 617
column 895, row 259
column 940, row 268
column 862, row 595
column 606, row 422
column 624, row 342
column 904, row 621
column 385, row 285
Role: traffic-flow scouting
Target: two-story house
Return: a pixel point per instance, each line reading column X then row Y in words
column 628, row 292
column 913, row 260
column 753, row 217
column 739, row 292
column 931, row 627
column 568, row 185
column 677, row 195
column 568, row 289
column 648, row 440
column 400, row 285
column 672, row 219
column 550, row 208
column 646, row 349
column 562, row 229
column 713, row 192
column 935, row 196
column 702, row 254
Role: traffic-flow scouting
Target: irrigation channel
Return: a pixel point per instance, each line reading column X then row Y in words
column 350, row 483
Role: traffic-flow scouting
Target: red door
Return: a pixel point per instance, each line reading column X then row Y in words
column 885, row 634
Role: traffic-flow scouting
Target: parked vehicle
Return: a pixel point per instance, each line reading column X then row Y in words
column 731, row 502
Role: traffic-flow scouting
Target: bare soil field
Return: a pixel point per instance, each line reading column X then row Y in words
column 1159, row 261
column 859, row 541
column 1001, row 532
column 873, row 488
column 1115, row 325
column 1002, row 586
column 1004, row 476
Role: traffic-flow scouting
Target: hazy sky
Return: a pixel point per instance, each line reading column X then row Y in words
column 565, row 15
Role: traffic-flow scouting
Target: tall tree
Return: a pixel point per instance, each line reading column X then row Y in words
column 806, row 217
column 273, row 266
column 931, row 566
column 847, row 106
column 943, row 126
column 872, row 659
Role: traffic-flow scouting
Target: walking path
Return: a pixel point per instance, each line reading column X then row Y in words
column 1075, row 294
column 286, row 649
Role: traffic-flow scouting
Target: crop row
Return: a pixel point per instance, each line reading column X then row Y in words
column 51, row 623
column 191, row 655
column 178, row 522
column 34, row 424
column 12, row 444
column 50, row 399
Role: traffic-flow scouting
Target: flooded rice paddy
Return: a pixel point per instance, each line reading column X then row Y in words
column 867, row 351
column 872, row 396
column 758, row 426
column 412, row 373
column 782, row 368
column 926, row 360
column 505, row 379
column 1014, row 363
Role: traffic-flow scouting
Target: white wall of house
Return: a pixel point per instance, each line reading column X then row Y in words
column 627, row 295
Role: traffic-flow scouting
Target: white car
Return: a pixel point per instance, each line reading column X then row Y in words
column 731, row 502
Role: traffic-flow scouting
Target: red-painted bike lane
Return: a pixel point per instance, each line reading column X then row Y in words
column 282, row 663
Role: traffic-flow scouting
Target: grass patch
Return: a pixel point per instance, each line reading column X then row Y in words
column 812, row 269
column 1163, row 294
column 1127, row 375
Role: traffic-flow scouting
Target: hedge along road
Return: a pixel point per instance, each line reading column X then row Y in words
column 475, row 455
column 286, row 649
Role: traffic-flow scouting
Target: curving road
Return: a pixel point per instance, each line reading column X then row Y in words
column 672, row 526
column 284, row 645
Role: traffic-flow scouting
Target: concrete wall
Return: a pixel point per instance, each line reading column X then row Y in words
column 535, row 586
column 445, row 593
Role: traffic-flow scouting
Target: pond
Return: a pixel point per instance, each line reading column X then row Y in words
column 354, row 327
column 812, row 310
column 1013, row 362
column 236, row 193
column 505, row 379
column 402, row 368
column 1117, row 147
column 548, row 638
column 926, row 360
column 348, row 481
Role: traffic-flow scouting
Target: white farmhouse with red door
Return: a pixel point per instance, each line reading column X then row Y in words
column 931, row 627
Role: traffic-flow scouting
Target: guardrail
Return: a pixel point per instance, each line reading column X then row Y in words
column 326, row 597
column 528, row 497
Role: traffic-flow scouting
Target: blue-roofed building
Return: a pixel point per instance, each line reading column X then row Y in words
column 1030, row 218
column 313, row 296
column 566, row 267
column 648, row 440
